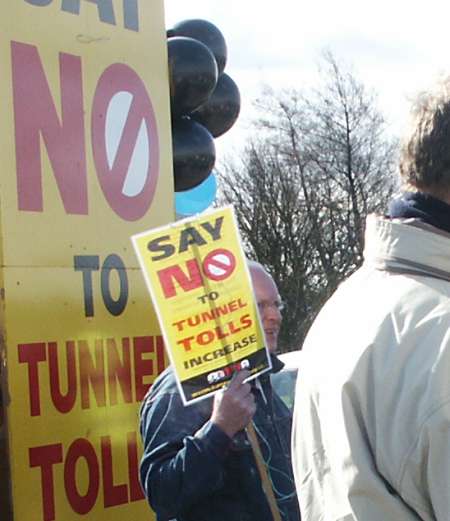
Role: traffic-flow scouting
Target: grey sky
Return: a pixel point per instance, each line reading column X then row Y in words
column 396, row 47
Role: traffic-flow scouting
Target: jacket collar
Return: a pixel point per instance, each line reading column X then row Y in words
column 277, row 364
column 422, row 206
column 407, row 246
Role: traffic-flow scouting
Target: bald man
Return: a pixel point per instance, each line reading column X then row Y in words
column 198, row 464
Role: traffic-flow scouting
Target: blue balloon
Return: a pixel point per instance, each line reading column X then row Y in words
column 190, row 202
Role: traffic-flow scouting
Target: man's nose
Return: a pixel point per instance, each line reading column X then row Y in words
column 271, row 312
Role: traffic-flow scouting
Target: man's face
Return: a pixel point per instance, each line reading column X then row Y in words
column 268, row 300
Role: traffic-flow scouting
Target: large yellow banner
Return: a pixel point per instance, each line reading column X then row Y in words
column 200, row 286
column 86, row 162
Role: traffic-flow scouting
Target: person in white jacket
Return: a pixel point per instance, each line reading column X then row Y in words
column 371, row 435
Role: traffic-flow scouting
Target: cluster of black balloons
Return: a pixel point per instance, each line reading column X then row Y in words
column 204, row 101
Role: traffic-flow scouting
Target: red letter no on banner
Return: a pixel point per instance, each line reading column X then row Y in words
column 124, row 135
column 218, row 265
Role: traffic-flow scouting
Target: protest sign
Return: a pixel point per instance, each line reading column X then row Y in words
column 85, row 144
column 201, row 290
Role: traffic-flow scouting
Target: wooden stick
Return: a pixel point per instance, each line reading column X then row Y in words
column 267, row 485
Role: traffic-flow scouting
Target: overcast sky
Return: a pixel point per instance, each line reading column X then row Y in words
column 396, row 47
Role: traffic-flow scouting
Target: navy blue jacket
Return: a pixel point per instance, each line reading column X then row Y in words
column 192, row 471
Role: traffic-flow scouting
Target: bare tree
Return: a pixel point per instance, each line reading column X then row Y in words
column 302, row 189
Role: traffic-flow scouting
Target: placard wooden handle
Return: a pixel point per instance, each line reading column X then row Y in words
column 266, row 483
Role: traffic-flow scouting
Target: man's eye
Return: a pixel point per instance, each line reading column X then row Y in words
column 278, row 305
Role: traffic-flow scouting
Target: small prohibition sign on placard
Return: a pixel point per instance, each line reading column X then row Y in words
column 219, row 264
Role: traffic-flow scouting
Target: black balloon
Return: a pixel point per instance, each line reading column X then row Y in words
column 192, row 74
column 194, row 153
column 207, row 33
column 221, row 110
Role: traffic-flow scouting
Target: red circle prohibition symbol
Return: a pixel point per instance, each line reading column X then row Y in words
column 112, row 175
column 219, row 264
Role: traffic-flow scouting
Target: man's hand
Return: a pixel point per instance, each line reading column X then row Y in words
column 235, row 406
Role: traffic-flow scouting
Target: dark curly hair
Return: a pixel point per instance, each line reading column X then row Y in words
column 425, row 154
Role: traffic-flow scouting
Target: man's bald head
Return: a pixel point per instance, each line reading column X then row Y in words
column 268, row 300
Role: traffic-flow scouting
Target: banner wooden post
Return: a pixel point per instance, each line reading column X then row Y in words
column 266, row 483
